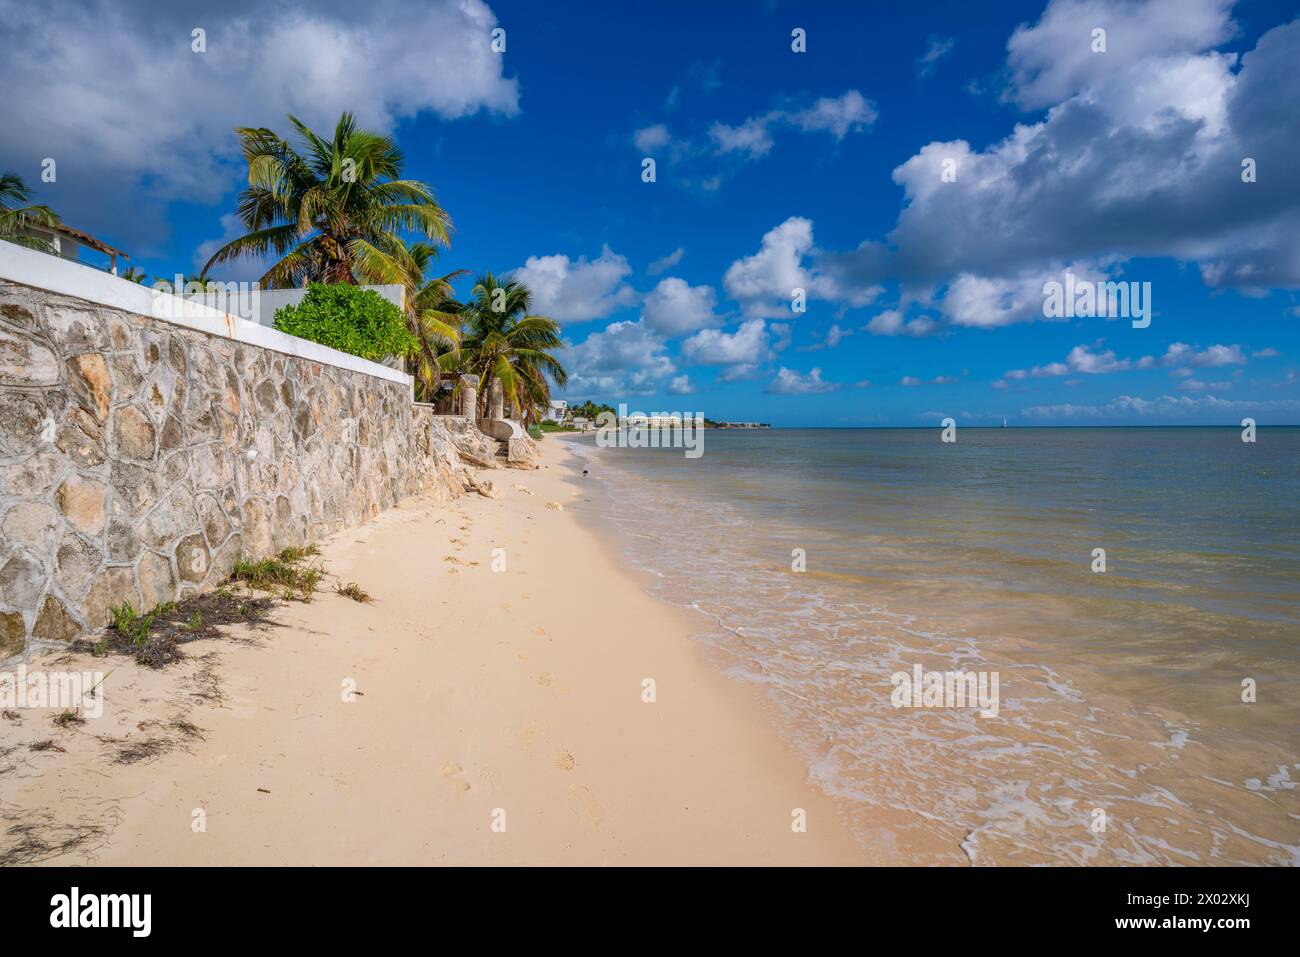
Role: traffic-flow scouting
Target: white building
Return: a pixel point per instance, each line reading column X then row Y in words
column 66, row 243
column 556, row 410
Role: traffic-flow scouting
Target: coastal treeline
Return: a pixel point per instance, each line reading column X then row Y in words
column 324, row 212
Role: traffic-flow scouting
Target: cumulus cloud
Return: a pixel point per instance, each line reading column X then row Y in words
column 751, row 137
column 674, row 307
column 1084, row 360
column 1081, row 360
column 841, row 115
column 681, row 385
column 122, row 103
column 1181, row 354
column 1054, row 59
column 1139, row 154
column 624, row 358
column 850, row 112
column 764, row 283
column 789, row 382
column 747, row 345
column 891, row 322
column 1167, row 407
column 577, row 290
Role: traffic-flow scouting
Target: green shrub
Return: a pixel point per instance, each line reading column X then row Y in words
column 350, row 319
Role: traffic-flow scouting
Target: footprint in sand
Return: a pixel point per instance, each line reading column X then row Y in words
column 565, row 761
column 530, row 733
column 584, row 804
column 452, row 772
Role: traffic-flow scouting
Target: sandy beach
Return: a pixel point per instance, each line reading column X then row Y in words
column 511, row 697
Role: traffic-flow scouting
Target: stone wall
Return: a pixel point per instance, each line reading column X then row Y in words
column 139, row 459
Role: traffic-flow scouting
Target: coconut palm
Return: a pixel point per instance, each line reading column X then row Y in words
column 16, row 217
column 133, row 274
column 331, row 212
column 500, row 341
column 431, row 307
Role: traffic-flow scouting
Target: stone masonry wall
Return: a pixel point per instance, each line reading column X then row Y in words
column 139, row 459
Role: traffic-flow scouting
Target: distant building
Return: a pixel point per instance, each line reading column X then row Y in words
column 556, row 410
column 68, row 243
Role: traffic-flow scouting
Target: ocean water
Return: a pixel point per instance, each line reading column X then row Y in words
column 1121, row 735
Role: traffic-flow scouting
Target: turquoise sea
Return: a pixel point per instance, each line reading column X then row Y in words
column 1122, row 736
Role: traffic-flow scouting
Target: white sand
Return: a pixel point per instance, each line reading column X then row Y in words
column 519, row 691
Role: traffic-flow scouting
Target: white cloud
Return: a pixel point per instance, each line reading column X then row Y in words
column 751, row 137
column 747, row 345
column 681, row 385
column 891, row 323
column 577, row 291
column 652, row 138
column 1127, row 162
column 936, row 49
column 124, row 99
column 850, row 112
column 764, row 283
column 912, row 381
column 674, row 307
column 668, row 262
column 1181, row 354
column 1167, row 407
column 1053, row 59
column 789, row 382
column 834, row 336
column 1081, row 360
column 624, row 358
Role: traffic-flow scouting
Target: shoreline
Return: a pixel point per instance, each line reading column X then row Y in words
column 477, row 693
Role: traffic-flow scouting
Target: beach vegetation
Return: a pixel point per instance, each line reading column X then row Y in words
column 502, row 342
column 350, row 319
column 285, row 572
column 431, row 308
column 17, row 216
column 354, row 591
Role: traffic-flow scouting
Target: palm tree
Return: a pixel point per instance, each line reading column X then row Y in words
column 501, row 342
column 431, row 307
column 16, row 218
column 331, row 212
column 133, row 274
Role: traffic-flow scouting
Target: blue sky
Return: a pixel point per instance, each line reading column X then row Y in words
column 774, row 169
